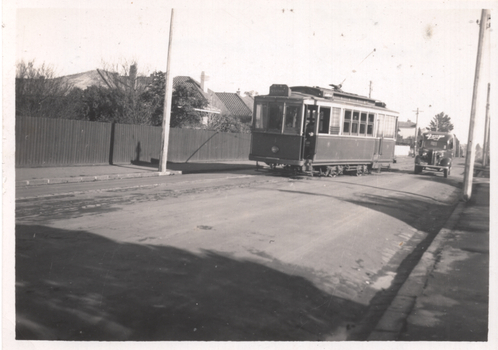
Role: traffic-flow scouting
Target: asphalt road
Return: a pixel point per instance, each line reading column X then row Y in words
column 241, row 256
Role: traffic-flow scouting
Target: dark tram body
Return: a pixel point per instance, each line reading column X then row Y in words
column 320, row 129
column 436, row 151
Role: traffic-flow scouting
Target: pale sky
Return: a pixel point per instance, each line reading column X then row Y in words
column 425, row 51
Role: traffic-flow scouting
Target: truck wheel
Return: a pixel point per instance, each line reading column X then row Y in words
column 418, row 169
column 445, row 172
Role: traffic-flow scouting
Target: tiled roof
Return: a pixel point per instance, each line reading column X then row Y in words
column 249, row 101
column 85, row 79
column 234, row 103
column 214, row 102
column 92, row 78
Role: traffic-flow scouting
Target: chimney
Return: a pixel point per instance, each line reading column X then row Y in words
column 238, row 91
column 133, row 76
column 204, row 80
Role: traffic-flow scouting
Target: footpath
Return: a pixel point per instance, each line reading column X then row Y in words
column 446, row 296
column 88, row 173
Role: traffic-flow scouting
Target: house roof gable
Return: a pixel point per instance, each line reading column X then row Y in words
column 234, row 103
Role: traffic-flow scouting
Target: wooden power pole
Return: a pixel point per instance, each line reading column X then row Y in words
column 167, row 103
column 471, row 154
column 485, row 148
column 416, row 134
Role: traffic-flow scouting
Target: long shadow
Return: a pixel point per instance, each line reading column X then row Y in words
column 198, row 167
column 76, row 285
column 423, row 215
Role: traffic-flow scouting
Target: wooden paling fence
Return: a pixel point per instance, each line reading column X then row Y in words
column 63, row 142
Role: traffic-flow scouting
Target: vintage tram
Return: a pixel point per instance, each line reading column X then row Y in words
column 325, row 130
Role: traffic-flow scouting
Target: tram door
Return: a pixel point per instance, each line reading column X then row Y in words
column 310, row 126
column 379, row 138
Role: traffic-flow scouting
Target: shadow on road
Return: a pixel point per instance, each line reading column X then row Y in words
column 199, row 167
column 76, row 285
column 425, row 215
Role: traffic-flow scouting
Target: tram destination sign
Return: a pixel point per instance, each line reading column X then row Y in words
column 280, row 90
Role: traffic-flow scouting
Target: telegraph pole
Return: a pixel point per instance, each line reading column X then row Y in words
column 470, row 154
column 167, row 103
column 416, row 134
column 485, row 148
column 370, row 90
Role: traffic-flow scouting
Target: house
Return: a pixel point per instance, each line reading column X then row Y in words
column 221, row 103
column 85, row 79
column 236, row 106
column 406, row 132
column 215, row 105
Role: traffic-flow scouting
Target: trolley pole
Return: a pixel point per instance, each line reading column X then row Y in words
column 485, row 148
column 470, row 154
column 167, row 103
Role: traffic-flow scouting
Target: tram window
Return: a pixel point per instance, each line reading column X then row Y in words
column 261, row 116
column 324, row 122
column 354, row 125
column 335, row 122
column 347, row 122
column 390, row 126
column 275, row 117
column 380, row 125
column 363, row 123
column 292, row 119
column 370, row 124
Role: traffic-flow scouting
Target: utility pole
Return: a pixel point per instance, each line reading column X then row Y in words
column 370, row 90
column 470, row 154
column 167, row 103
column 416, row 134
column 485, row 148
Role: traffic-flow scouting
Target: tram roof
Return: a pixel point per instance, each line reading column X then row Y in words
column 324, row 94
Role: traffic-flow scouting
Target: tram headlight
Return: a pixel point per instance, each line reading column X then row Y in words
column 275, row 149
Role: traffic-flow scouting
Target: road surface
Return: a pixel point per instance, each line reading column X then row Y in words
column 229, row 256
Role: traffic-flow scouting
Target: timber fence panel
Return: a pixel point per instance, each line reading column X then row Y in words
column 193, row 145
column 64, row 142
column 60, row 142
column 136, row 143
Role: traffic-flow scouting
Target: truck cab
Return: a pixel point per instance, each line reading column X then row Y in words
column 436, row 150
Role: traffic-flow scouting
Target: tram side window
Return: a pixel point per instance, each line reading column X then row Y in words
column 363, row 123
column 347, row 122
column 275, row 117
column 380, row 125
column 261, row 116
column 370, row 124
column 292, row 119
column 324, row 122
column 390, row 126
column 354, row 125
column 335, row 121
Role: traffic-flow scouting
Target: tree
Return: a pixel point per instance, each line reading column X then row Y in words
column 40, row 94
column 226, row 123
column 102, row 104
column 127, row 93
column 441, row 122
column 185, row 105
column 154, row 96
